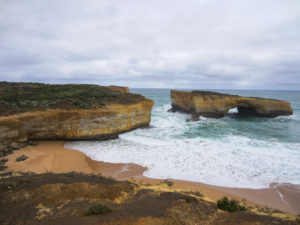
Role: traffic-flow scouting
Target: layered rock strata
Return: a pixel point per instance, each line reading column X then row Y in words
column 216, row 105
column 82, row 113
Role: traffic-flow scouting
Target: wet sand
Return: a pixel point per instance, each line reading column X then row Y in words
column 51, row 156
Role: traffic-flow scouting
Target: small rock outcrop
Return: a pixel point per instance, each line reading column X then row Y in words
column 21, row 158
column 34, row 111
column 216, row 105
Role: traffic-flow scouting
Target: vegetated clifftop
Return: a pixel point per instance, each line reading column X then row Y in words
column 216, row 105
column 34, row 111
column 76, row 199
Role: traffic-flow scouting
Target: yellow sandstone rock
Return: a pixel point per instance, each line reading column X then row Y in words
column 216, row 105
column 35, row 111
column 78, row 124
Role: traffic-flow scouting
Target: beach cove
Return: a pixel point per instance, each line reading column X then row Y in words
column 52, row 156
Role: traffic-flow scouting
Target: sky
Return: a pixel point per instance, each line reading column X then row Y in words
column 197, row 44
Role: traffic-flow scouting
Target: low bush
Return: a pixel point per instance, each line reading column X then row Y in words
column 230, row 205
column 98, row 209
column 167, row 182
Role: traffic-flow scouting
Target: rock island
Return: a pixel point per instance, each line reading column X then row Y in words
column 216, row 105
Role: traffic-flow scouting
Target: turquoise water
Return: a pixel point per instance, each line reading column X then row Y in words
column 232, row 151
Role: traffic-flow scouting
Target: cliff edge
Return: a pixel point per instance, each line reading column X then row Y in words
column 34, row 111
column 216, row 105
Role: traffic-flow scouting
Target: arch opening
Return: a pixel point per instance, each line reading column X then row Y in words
column 247, row 111
column 233, row 110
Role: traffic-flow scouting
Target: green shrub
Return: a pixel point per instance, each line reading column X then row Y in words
column 230, row 205
column 167, row 182
column 98, row 209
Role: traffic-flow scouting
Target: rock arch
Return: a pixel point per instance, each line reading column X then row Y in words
column 216, row 105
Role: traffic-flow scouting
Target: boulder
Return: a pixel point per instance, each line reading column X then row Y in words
column 21, row 158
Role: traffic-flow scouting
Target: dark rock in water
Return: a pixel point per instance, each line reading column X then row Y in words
column 3, row 168
column 21, row 158
column 195, row 117
column 172, row 110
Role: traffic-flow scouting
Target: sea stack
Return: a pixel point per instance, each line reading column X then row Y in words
column 35, row 111
column 216, row 105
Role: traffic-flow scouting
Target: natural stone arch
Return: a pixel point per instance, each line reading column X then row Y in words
column 216, row 105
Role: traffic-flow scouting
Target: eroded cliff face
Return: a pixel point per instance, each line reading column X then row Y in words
column 102, row 123
column 216, row 105
column 75, row 112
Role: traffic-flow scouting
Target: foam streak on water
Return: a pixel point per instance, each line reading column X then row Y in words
column 228, row 152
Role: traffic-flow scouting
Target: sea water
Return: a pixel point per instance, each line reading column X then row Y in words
column 232, row 151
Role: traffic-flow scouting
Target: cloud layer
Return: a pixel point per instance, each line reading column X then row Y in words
column 248, row 44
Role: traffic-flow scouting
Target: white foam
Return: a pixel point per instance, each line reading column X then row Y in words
column 233, row 110
column 168, row 152
column 232, row 162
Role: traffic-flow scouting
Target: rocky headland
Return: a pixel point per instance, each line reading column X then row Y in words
column 216, row 105
column 31, row 112
column 35, row 111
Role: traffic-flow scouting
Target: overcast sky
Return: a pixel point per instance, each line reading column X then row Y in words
column 227, row 44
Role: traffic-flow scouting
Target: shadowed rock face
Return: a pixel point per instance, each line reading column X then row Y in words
column 216, row 105
column 33, row 111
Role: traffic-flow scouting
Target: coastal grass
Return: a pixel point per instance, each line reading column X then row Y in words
column 98, row 209
column 230, row 205
column 22, row 97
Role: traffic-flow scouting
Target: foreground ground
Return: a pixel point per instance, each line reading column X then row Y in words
column 53, row 156
column 27, row 198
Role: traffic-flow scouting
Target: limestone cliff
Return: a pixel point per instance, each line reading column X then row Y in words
column 72, row 112
column 216, row 105
column 118, row 88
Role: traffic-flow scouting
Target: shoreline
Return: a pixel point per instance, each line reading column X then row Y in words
column 52, row 156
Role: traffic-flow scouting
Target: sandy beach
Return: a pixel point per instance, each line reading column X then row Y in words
column 52, row 156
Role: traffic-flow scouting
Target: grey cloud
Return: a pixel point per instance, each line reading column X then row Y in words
column 171, row 44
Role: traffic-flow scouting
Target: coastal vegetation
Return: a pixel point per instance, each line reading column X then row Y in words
column 73, row 198
column 23, row 97
column 98, row 209
column 230, row 205
column 167, row 182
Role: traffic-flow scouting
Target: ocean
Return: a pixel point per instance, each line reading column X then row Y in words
column 233, row 151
